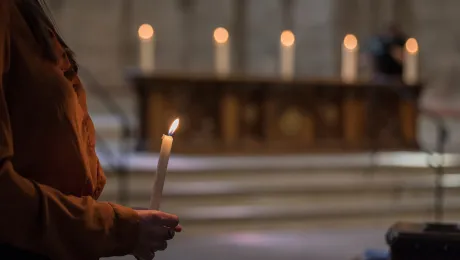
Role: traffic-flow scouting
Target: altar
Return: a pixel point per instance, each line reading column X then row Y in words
column 250, row 115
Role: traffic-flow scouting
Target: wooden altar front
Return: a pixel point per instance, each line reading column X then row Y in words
column 241, row 115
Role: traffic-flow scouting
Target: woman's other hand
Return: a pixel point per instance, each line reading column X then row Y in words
column 156, row 228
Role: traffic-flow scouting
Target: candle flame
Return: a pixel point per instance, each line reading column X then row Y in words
column 287, row 38
column 412, row 46
column 221, row 35
column 146, row 32
column 173, row 127
column 350, row 42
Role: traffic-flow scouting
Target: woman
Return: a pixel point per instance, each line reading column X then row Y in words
column 50, row 176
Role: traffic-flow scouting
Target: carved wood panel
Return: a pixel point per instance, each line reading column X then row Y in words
column 294, row 116
column 328, row 113
column 262, row 116
column 250, row 115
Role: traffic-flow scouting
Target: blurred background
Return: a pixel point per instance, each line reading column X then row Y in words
column 308, row 127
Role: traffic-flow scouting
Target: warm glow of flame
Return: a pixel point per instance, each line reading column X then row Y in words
column 350, row 42
column 412, row 46
column 173, row 127
column 221, row 35
column 287, row 38
column 146, row 32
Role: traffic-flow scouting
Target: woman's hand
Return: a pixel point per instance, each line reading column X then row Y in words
column 156, row 228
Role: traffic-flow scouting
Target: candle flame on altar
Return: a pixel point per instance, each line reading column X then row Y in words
column 173, row 127
column 221, row 35
column 350, row 42
column 287, row 38
column 146, row 32
column 412, row 46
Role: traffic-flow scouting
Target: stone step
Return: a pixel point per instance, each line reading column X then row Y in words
column 341, row 221
column 228, row 189
column 320, row 196
column 222, row 183
column 305, row 210
column 309, row 190
column 146, row 162
column 195, row 186
column 311, row 213
column 326, row 197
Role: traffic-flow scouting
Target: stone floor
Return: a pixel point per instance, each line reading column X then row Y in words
column 273, row 245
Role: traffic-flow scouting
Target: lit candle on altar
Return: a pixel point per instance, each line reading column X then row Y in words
column 221, row 51
column 146, row 48
column 350, row 53
column 162, row 167
column 410, row 73
column 287, row 54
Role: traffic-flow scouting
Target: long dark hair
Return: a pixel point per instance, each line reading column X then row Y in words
column 39, row 19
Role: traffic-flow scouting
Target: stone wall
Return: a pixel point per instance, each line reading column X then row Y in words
column 103, row 32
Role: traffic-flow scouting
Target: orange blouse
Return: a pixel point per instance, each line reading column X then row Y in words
column 50, row 176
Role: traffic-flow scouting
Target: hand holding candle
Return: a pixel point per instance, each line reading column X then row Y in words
column 162, row 167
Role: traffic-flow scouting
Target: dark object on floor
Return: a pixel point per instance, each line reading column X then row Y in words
column 424, row 241
column 374, row 254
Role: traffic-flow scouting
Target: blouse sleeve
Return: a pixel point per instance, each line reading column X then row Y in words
column 41, row 219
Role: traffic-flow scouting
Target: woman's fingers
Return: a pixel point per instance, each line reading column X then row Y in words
column 155, row 229
column 165, row 219
column 178, row 228
column 161, row 234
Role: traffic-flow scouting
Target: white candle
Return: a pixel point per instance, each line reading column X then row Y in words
column 221, row 51
column 350, row 57
column 162, row 167
column 410, row 65
column 287, row 54
column 146, row 48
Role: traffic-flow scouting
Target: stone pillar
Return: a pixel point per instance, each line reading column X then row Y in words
column 186, row 8
column 127, row 36
column 263, row 26
column 368, row 19
column 318, row 45
column 207, row 15
column 287, row 14
column 238, row 36
column 386, row 12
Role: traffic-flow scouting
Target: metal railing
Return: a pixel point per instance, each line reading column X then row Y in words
column 118, row 161
column 438, row 157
